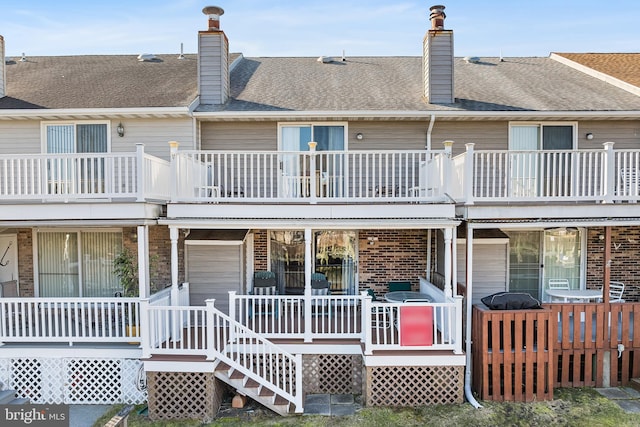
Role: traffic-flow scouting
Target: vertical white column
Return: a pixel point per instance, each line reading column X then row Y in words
column 173, row 235
column 143, row 261
column 307, row 284
column 447, row 262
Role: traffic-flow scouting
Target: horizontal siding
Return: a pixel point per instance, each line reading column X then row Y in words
column 20, row 137
column 487, row 135
column 625, row 134
column 389, row 135
column 254, row 136
column 213, row 66
column 155, row 134
column 489, row 268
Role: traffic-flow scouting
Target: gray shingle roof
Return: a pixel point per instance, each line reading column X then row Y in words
column 304, row 84
column 100, row 81
column 395, row 84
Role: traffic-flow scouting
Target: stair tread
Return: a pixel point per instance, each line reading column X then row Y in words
column 265, row 392
column 236, row 375
column 280, row 401
column 222, row 367
column 252, row 383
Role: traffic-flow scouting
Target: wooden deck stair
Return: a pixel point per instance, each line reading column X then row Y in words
column 251, row 388
column 10, row 397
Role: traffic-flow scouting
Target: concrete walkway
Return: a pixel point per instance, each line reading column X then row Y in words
column 626, row 397
column 334, row 405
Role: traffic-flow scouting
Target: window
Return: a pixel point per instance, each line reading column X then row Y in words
column 296, row 137
column 77, row 263
column 76, row 137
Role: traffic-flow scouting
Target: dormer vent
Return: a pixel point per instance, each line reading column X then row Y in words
column 147, row 57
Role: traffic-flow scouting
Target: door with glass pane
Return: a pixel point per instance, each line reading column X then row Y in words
column 77, row 264
column 533, row 173
column 562, row 256
column 334, row 255
column 296, row 169
column 524, row 261
column 78, row 174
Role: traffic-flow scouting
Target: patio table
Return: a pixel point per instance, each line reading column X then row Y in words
column 405, row 296
column 574, row 294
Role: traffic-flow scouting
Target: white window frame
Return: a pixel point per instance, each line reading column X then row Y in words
column 541, row 124
column 75, row 123
column 34, row 239
column 345, row 126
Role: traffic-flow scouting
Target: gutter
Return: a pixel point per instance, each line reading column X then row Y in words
column 145, row 112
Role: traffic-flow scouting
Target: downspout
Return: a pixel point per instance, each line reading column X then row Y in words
column 467, row 373
column 431, row 123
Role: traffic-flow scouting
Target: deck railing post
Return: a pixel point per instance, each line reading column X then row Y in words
column 468, row 178
column 609, row 173
column 233, row 298
column 210, row 329
column 313, row 196
column 145, row 328
column 140, row 172
column 457, row 319
column 173, row 152
column 447, row 168
column 299, row 390
column 366, row 322
column 176, row 316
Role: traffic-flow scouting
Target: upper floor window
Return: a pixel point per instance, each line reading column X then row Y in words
column 76, row 137
column 295, row 137
column 542, row 136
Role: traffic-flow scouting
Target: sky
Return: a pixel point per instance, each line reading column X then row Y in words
column 314, row 28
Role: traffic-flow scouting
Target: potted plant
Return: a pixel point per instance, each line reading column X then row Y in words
column 125, row 267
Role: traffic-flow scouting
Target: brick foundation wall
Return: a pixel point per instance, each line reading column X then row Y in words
column 625, row 259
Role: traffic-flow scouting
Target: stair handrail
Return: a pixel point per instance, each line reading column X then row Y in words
column 232, row 337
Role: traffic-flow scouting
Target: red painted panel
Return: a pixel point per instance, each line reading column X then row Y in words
column 416, row 326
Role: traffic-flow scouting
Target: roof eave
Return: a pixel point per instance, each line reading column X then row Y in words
column 95, row 113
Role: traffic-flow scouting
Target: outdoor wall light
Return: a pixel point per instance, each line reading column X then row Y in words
column 589, row 136
column 120, row 130
column 359, row 136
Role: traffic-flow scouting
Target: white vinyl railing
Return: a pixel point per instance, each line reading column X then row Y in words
column 310, row 176
column 294, row 316
column 80, row 176
column 69, row 320
column 561, row 175
column 209, row 332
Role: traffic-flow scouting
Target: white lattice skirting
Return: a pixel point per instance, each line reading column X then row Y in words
column 74, row 381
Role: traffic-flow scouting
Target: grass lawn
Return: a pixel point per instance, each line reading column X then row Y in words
column 571, row 407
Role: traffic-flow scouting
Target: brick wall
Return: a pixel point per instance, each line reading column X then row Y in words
column 260, row 244
column 396, row 255
column 625, row 259
column 25, row 262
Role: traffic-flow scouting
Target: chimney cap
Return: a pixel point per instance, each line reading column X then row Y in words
column 213, row 10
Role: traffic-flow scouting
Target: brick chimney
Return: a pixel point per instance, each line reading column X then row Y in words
column 213, row 60
column 437, row 59
column 3, row 70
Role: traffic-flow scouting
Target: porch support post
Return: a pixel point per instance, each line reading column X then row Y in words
column 367, row 322
column 447, row 262
column 140, row 172
column 608, row 173
column 467, row 183
column 143, row 261
column 606, row 268
column 454, row 261
column 173, row 235
column 428, row 272
column 307, row 285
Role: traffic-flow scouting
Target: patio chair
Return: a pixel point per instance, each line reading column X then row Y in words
column 616, row 289
column 399, row 286
column 319, row 286
column 264, row 283
column 558, row 284
column 380, row 316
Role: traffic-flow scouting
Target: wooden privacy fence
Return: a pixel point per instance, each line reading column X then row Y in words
column 520, row 355
column 512, row 354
